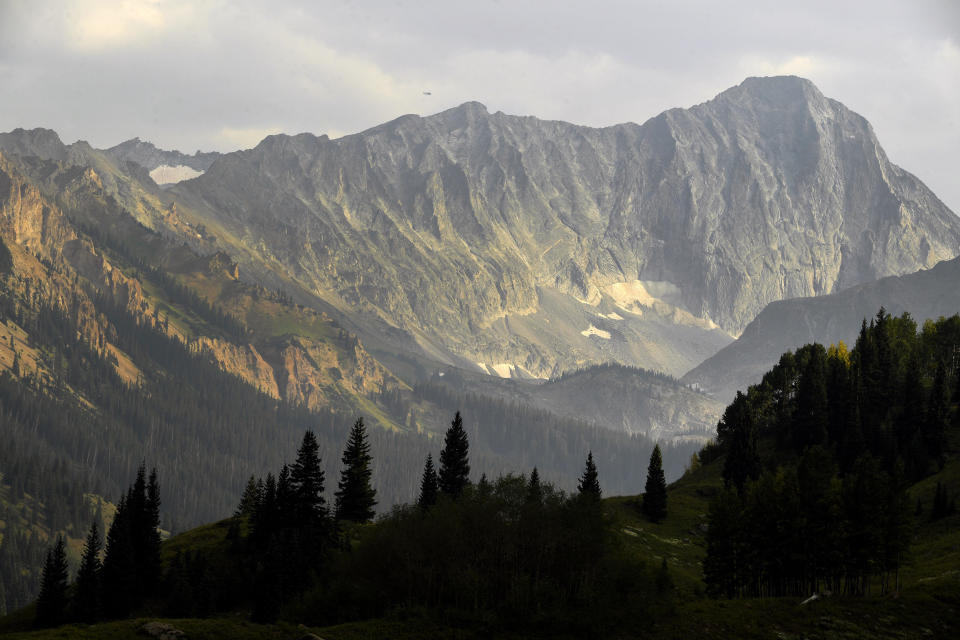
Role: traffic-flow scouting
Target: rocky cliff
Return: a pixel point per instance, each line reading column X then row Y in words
column 508, row 241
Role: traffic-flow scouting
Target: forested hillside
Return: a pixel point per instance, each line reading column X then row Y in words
column 818, row 458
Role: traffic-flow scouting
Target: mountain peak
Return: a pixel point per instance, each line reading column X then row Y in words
column 776, row 91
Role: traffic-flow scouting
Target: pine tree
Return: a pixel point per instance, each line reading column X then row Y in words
column 306, row 484
column 655, row 490
column 86, row 597
column 428, row 485
column 589, row 484
column 52, row 602
column 355, row 497
column 454, row 463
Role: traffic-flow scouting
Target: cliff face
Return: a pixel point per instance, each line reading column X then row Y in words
column 449, row 225
column 50, row 261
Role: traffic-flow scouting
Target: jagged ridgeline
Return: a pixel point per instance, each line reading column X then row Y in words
column 818, row 458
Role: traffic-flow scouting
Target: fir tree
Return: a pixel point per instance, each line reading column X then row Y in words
column 86, row 597
column 428, row 485
column 252, row 494
column 589, row 484
column 454, row 463
column 149, row 561
column 52, row 602
column 119, row 566
column 355, row 497
column 655, row 490
column 534, row 488
column 306, row 484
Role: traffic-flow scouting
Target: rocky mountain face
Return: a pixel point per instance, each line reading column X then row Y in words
column 789, row 324
column 528, row 247
column 323, row 368
column 165, row 167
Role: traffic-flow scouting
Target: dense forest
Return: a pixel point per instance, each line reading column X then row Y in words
column 818, row 457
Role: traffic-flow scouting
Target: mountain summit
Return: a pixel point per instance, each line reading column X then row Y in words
column 498, row 238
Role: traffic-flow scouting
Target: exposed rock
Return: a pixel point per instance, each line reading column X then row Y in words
column 451, row 227
column 243, row 361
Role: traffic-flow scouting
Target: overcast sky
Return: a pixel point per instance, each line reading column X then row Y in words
column 220, row 75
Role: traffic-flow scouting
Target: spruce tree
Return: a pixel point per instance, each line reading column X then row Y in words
column 52, row 602
column 86, row 597
column 355, row 497
column 428, row 485
column 252, row 494
column 119, row 581
column 589, row 484
column 149, row 562
column 534, row 488
column 306, row 484
column 454, row 463
column 655, row 490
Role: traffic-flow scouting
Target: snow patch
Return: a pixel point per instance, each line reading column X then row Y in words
column 611, row 316
column 593, row 331
column 662, row 297
column 165, row 174
column 504, row 369
column 483, row 368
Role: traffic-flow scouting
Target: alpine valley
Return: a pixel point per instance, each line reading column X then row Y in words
column 567, row 289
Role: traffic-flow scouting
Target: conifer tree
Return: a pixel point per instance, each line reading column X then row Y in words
column 149, row 564
column 428, row 485
column 86, row 597
column 454, row 463
column 306, row 484
column 355, row 497
column 52, row 602
column 937, row 418
column 534, row 488
column 589, row 484
column 250, row 499
column 119, row 566
column 655, row 490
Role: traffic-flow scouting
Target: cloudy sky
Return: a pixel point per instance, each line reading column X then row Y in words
column 190, row 74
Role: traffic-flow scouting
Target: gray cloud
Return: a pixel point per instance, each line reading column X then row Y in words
column 220, row 75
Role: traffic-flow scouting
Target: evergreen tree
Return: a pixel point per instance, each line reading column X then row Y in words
column 534, row 488
column 655, row 491
column 149, row 561
column 86, row 597
column 119, row 582
column 589, row 484
column 355, row 497
column 252, row 494
column 429, row 486
column 52, row 602
column 306, row 484
column 454, row 463
column 737, row 433
column 937, row 418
